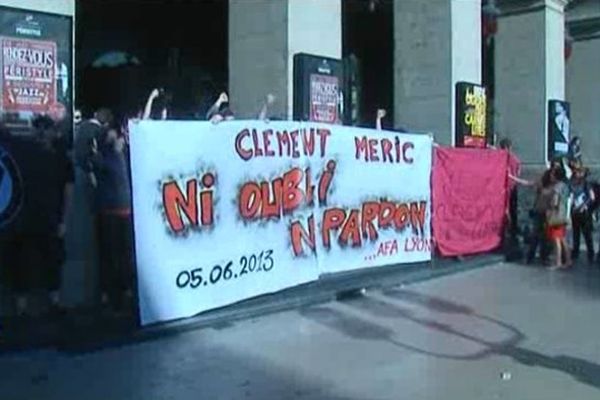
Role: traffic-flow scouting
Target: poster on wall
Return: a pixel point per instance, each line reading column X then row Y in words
column 471, row 113
column 36, row 65
column 559, row 128
column 28, row 75
column 245, row 208
column 318, row 89
column 324, row 98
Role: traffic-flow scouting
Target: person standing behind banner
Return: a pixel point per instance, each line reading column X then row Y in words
column 83, row 239
column 264, row 113
column 157, row 105
column 86, row 134
column 557, row 219
column 34, row 249
column 220, row 110
column 66, row 182
column 381, row 114
column 114, row 224
column 581, row 217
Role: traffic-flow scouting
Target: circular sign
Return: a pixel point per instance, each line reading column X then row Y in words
column 11, row 188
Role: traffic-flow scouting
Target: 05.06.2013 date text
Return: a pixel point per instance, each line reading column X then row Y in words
column 195, row 278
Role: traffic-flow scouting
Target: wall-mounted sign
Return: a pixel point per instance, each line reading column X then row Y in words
column 324, row 98
column 28, row 75
column 318, row 89
column 36, row 64
column 559, row 128
column 471, row 112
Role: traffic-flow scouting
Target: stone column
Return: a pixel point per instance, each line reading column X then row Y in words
column 436, row 44
column 583, row 85
column 264, row 35
column 529, row 70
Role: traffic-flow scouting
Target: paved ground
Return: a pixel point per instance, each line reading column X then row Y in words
column 503, row 332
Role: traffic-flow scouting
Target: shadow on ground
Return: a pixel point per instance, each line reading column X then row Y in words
column 184, row 369
column 355, row 327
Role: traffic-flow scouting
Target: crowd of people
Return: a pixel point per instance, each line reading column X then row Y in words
column 32, row 247
column 92, row 164
column 564, row 197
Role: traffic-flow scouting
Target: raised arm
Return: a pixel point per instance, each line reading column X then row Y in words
column 148, row 109
column 264, row 111
column 381, row 113
column 214, row 109
column 520, row 181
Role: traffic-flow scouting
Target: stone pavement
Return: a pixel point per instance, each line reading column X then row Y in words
column 86, row 329
column 502, row 332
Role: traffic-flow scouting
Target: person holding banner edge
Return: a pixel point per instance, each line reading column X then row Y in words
column 513, row 173
column 113, row 199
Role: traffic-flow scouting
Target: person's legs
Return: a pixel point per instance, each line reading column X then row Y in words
column 576, row 220
column 113, row 248
column 566, row 253
column 557, row 252
column 514, row 212
column 587, row 229
column 56, row 260
column 105, row 256
column 546, row 248
column 13, row 271
column 533, row 245
column 537, row 237
column 123, row 247
column 38, row 256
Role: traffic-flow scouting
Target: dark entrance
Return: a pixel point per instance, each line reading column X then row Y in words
column 368, row 34
column 125, row 48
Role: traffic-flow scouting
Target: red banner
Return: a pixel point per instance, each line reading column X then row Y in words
column 469, row 188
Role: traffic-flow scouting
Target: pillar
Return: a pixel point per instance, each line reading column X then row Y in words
column 264, row 35
column 583, row 85
column 529, row 70
column 437, row 43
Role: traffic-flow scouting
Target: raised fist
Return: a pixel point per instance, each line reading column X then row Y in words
column 381, row 113
column 271, row 98
column 223, row 98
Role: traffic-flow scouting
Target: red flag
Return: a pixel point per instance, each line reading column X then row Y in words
column 469, row 189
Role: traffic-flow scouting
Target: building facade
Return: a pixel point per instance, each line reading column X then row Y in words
column 542, row 50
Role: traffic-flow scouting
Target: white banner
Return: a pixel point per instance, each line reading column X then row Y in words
column 230, row 211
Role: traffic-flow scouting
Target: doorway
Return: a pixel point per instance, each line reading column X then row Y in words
column 126, row 48
column 368, row 34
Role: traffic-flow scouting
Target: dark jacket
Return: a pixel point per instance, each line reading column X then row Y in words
column 112, row 172
column 85, row 134
column 43, row 170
